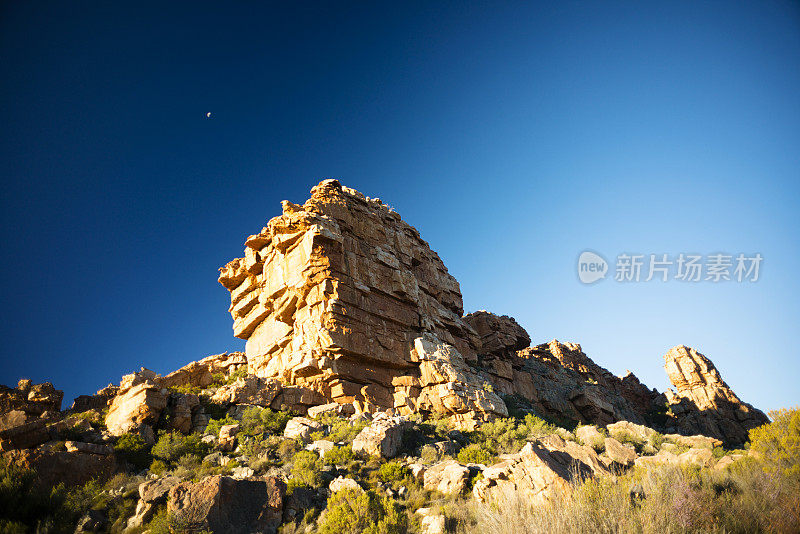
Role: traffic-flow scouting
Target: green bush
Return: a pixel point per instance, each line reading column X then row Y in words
column 236, row 375
column 214, row 425
column 353, row 512
column 287, row 449
column 475, row 454
column 257, row 421
column 133, row 449
column 172, row 445
column 306, row 469
column 392, row 472
column 339, row 455
column 341, row 430
column 158, row 467
column 429, row 454
column 778, row 443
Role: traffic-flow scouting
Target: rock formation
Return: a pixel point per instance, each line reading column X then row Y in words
column 341, row 296
column 352, row 321
column 703, row 403
column 340, row 300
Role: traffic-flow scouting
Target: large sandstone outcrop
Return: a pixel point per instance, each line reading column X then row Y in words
column 340, row 300
column 703, row 403
column 334, row 294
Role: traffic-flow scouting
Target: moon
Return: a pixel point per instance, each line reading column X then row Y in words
column 208, row 115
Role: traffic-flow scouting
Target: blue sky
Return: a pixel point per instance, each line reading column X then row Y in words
column 513, row 135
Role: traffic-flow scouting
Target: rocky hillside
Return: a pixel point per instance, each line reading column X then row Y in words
column 364, row 391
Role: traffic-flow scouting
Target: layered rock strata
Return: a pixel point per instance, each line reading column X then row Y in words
column 340, row 295
column 343, row 300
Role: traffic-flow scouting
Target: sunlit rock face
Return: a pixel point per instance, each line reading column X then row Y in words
column 702, row 402
column 341, row 296
column 340, row 300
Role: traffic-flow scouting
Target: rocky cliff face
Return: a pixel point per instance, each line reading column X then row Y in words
column 703, row 403
column 341, row 299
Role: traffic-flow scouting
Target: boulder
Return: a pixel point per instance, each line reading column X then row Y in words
column 497, row 335
column 624, row 455
column 431, row 522
column 242, row 472
column 223, row 504
column 23, row 436
column 345, row 410
column 703, row 457
column 340, row 483
column 626, row 428
column 227, row 437
column 137, row 406
column 301, row 428
column 448, row 477
column 92, row 521
column 541, row 470
column 726, row 461
column 382, row 437
column 663, row 457
column 249, row 390
column 417, row 471
column 71, row 468
column 698, row 442
column 32, row 399
column 321, row 446
column 89, row 448
column 181, row 407
column 151, row 493
column 156, row 491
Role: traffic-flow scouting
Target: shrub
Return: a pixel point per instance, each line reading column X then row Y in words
column 172, row 445
column 743, row 499
column 342, row 430
column 339, row 455
column 158, row 467
column 429, row 454
column 353, row 512
column 287, row 448
column 214, row 425
column 475, row 454
column 241, row 372
column 133, row 449
column 778, row 443
column 536, row 426
column 257, row 421
column 306, row 467
column 392, row 472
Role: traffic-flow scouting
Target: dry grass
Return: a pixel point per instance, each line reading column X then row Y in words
column 743, row 499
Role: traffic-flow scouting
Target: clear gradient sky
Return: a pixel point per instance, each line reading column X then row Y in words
column 513, row 135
